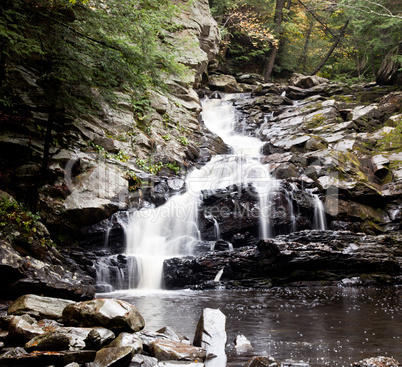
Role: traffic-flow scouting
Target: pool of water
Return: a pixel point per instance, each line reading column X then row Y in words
column 328, row 326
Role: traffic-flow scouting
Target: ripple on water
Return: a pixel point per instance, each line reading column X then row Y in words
column 326, row 326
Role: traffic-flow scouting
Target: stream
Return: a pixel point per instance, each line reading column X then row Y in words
column 325, row 326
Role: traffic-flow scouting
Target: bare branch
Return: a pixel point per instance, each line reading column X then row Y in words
column 367, row 10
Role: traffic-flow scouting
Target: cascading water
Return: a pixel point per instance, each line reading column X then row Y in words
column 320, row 221
column 156, row 234
column 171, row 230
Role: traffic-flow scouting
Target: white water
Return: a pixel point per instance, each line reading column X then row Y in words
column 156, row 234
column 320, row 221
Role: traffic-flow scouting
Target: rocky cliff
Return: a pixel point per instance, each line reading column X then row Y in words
column 103, row 162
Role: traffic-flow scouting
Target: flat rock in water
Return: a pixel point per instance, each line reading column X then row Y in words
column 112, row 314
column 39, row 307
column 180, row 364
column 291, row 363
column 377, row 362
column 166, row 350
column 261, row 361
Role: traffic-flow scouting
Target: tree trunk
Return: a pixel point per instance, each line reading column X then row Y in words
column 372, row 64
column 338, row 39
column 303, row 56
column 278, row 21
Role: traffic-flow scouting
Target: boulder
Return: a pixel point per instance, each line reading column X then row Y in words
column 292, row 363
column 113, row 314
column 140, row 360
column 380, row 165
column 180, row 364
column 166, row 350
column 24, row 328
column 148, row 337
column 377, row 362
column 67, row 338
column 127, row 340
column 267, row 361
column 242, row 344
column 211, row 335
column 224, row 83
column 45, row 358
column 116, row 357
column 96, row 194
column 39, row 307
column 97, row 338
column 172, row 334
column 305, row 82
column 25, row 274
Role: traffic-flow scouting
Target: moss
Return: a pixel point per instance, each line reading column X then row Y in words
column 315, row 121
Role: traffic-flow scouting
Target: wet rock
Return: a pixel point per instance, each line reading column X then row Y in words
column 149, row 337
column 107, row 357
column 65, row 338
column 98, row 338
column 304, row 256
column 172, row 334
column 127, row 340
column 39, row 307
column 180, row 364
column 250, row 78
column 26, row 274
column 377, row 362
column 140, row 360
column 224, row 83
column 380, row 165
column 113, row 314
column 242, row 344
column 292, row 363
column 24, row 328
column 305, row 82
column 211, row 335
column 46, row 358
column 97, row 195
column 166, row 350
column 267, row 361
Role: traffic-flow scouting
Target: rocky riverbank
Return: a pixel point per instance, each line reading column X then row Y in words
column 43, row 331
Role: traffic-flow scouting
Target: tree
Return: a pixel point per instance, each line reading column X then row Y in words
column 85, row 52
column 278, row 22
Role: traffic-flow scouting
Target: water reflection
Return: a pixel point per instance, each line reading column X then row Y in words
column 324, row 326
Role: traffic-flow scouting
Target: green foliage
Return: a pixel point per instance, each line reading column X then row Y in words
column 13, row 213
column 155, row 168
column 173, row 166
column 134, row 182
column 183, row 140
column 121, row 155
column 166, row 137
column 89, row 49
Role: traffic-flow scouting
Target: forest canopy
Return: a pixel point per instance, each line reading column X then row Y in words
column 82, row 46
column 303, row 32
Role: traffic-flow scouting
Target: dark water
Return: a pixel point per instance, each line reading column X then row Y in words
column 331, row 326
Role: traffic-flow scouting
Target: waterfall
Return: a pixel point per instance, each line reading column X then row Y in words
column 320, row 221
column 171, row 230
column 156, row 234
